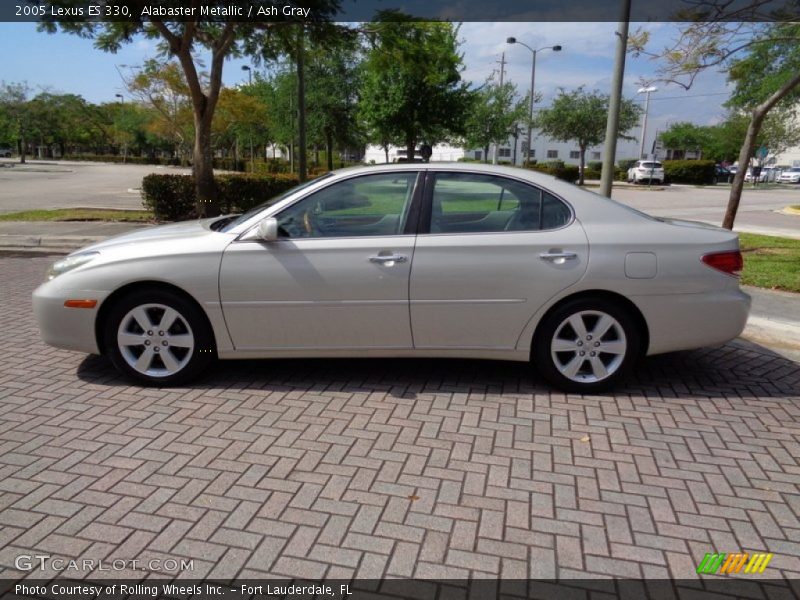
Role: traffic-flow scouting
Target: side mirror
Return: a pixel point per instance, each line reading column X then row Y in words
column 268, row 229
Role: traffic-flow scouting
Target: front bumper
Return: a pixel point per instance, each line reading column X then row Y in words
column 69, row 328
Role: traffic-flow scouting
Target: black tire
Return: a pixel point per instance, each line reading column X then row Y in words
column 542, row 353
column 190, row 320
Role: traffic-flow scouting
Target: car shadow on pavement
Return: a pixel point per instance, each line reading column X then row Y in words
column 739, row 369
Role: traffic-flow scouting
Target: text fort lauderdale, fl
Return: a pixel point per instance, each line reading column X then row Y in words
column 232, row 10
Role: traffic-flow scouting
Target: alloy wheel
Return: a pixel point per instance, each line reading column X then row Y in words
column 155, row 340
column 588, row 346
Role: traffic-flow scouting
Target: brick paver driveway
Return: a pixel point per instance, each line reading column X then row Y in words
column 395, row 468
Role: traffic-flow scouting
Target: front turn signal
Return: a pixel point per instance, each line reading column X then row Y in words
column 80, row 303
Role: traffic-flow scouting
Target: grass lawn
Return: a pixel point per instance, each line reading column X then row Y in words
column 80, row 214
column 771, row 262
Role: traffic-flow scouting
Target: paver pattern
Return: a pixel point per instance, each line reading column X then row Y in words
column 395, row 468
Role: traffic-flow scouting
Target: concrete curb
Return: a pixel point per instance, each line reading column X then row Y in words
column 780, row 336
column 23, row 242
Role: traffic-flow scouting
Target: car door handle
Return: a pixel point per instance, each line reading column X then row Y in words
column 558, row 256
column 387, row 258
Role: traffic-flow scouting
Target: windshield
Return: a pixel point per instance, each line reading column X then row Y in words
column 256, row 209
column 651, row 165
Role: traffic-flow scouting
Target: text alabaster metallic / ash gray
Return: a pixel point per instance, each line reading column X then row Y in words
column 592, row 288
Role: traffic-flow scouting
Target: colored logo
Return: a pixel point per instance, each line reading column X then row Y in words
column 733, row 563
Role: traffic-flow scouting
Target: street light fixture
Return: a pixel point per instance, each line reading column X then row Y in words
column 125, row 145
column 647, row 91
column 556, row 48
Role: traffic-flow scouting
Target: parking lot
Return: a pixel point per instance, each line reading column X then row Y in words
column 395, row 468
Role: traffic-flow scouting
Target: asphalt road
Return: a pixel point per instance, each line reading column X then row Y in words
column 396, row 468
column 56, row 184
column 758, row 209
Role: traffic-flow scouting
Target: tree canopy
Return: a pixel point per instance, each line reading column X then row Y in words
column 581, row 116
column 182, row 40
column 494, row 113
column 411, row 88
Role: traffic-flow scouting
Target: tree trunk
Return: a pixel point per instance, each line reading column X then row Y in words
column 386, row 152
column 301, row 106
column 486, row 154
column 756, row 120
column 22, row 147
column 411, row 145
column 203, row 170
column 329, row 148
column 582, row 163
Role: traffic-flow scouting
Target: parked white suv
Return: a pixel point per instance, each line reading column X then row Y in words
column 791, row 175
column 646, row 170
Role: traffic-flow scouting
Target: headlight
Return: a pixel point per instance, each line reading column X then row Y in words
column 70, row 262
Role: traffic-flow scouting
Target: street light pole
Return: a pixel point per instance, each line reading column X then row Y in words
column 125, row 143
column 556, row 48
column 646, row 91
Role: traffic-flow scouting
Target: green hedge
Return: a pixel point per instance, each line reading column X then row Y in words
column 568, row 173
column 172, row 197
column 595, row 165
column 626, row 163
column 238, row 193
column 689, row 171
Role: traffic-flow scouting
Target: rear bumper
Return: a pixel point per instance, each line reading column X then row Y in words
column 688, row 321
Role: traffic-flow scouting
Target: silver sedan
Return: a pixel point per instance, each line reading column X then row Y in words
column 416, row 260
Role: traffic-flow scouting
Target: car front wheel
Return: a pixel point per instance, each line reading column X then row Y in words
column 158, row 338
column 587, row 346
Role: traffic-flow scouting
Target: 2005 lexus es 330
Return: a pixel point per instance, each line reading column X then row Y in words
column 429, row 260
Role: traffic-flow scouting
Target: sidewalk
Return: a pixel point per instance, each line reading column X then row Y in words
column 58, row 236
column 774, row 319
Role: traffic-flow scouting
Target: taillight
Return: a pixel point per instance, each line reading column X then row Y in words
column 728, row 262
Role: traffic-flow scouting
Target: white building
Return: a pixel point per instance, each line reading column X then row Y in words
column 441, row 153
column 512, row 152
column 789, row 158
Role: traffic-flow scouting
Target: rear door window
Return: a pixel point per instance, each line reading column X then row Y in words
column 478, row 203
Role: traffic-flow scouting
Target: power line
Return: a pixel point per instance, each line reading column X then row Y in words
column 655, row 98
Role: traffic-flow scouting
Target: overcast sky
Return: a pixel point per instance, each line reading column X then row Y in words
column 66, row 63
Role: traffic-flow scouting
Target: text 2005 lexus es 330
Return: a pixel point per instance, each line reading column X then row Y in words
column 427, row 260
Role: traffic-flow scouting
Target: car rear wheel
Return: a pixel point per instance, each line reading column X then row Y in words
column 587, row 345
column 158, row 338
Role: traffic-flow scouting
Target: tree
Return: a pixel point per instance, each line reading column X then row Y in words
column 16, row 106
column 581, row 116
column 182, row 40
column 411, row 87
column 163, row 87
column 763, row 61
column 241, row 117
column 332, row 72
column 686, row 136
column 493, row 115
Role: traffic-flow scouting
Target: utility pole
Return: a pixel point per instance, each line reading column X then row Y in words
column 502, row 62
column 612, row 124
